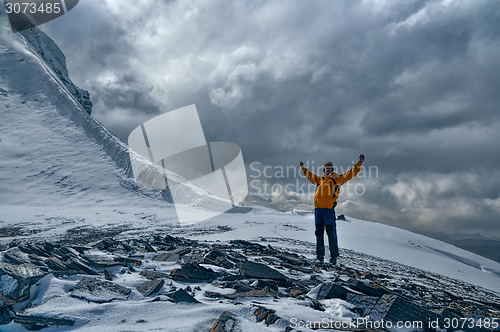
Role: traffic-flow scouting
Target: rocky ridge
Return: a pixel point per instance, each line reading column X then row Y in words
column 370, row 288
column 47, row 49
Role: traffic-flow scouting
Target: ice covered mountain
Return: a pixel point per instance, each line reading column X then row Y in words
column 64, row 175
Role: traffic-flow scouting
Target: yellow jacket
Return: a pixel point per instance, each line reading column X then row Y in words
column 330, row 184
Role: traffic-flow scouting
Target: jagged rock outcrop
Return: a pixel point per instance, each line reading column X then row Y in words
column 55, row 58
column 243, row 271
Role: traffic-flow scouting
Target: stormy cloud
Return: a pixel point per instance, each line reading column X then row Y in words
column 413, row 85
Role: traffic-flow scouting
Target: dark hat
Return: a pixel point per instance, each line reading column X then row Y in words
column 328, row 163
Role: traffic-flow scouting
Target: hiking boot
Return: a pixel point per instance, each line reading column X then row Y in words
column 319, row 259
column 333, row 260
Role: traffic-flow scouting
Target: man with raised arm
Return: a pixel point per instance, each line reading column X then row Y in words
column 325, row 201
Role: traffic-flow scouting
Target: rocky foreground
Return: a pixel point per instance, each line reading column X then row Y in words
column 371, row 289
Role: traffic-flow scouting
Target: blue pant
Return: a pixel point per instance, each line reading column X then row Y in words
column 325, row 219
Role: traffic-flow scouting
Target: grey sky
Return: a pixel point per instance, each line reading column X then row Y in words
column 411, row 84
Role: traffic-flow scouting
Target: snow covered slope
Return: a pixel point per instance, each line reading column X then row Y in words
column 61, row 169
column 296, row 230
column 56, row 160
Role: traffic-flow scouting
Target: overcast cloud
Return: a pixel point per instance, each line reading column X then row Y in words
column 414, row 85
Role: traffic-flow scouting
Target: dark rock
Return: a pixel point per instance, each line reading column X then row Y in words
column 34, row 249
column 373, row 289
column 96, row 261
column 226, row 323
column 296, row 290
column 394, row 308
column 127, row 260
column 298, row 268
column 289, row 259
column 331, row 290
column 182, row 296
column 56, row 264
column 260, row 271
column 94, row 290
column 316, row 305
column 193, row 272
column 5, row 317
column 212, row 255
column 261, row 283
column 16, row 281
column 217, row 257
column 172, row 255
column 251, row 293
column 37, row 323
column 66, row 252
column 148, row 247
column 152, row 275
column 127, row 247
column 267, row 315
column 238, row 286
column 213, row 295
column 14, row 243
column 16, row 256
column 108, row 275
column 233, row 277
column 81, row 249
column 151, row 287
column 104, row 244
column 340, row 217
column 369, row 276
column 75, row 264
column 167, row 257
column 364, row 302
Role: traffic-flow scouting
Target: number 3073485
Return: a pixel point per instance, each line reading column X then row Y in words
column 33, row 8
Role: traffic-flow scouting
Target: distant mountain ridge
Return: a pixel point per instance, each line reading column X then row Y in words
column 488, row 247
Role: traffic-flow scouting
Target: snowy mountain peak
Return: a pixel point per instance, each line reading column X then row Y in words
column 56, row 59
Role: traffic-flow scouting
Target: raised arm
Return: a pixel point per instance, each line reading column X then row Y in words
column 341, row 179
column 310, row 176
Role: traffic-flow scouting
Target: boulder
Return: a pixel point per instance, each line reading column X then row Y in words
column 364, row 302
column 330, row 290
column 226, row 323
column 289, row 259
column 108, row 275
column 193, row 272
column 217, row 257
column 260, row 271
column 94, row 290
column 151, row 287
column 394, row 308
column 152, row 275
column 75, row 264
column 250, row 293
column 267, row 315
column 261, row 283
column 16, row 256
column 167, row 257
column 16, row 280
column 182, row 296
column 5, row 317
column 367, row 288
column 56, row 264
